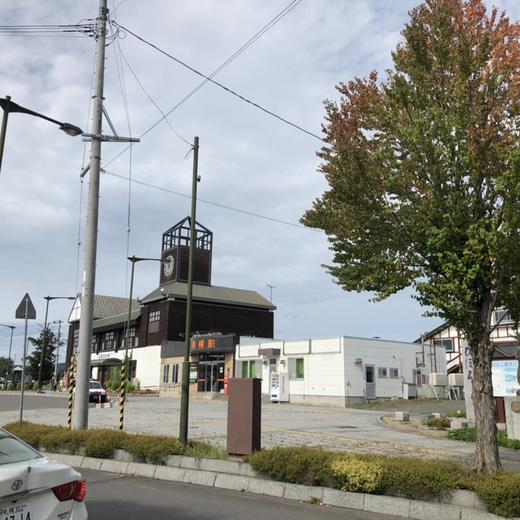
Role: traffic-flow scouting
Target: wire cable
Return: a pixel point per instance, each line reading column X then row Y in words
column 227, row 89
column 235, row 55
column 164, row 116
column 211, row 203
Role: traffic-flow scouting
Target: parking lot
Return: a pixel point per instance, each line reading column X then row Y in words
column 282, row 424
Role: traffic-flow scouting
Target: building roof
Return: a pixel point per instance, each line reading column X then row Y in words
column 116, row 319
column 436, row 330
column 105, row 307
column 210, row 293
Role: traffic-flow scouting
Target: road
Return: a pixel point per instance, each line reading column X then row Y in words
column 114, row 497
column 10, row 402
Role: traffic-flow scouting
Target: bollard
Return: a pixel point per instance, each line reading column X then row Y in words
column 122, row 393
column 72, row 384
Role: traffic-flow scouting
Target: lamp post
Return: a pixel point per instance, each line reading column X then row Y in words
column 59, row 322
column 271, row 287
column 45, row 332
column 124, row 369
column 9, row 106
column 12, row 327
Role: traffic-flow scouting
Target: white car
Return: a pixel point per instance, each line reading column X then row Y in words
column 32, row 487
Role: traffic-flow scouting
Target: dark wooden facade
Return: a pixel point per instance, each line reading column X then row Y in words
column 208, row 316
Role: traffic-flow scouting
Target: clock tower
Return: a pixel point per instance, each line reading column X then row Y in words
column 175, row 253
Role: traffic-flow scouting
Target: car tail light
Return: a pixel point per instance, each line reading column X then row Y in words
column 76, row 490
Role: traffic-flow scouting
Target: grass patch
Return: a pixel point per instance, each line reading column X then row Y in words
column 396, row 476
column 101, row 443
column 470, row 435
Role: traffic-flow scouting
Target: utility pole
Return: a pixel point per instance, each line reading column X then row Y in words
column 80, row 417
column 185, row 388
column 57, row 352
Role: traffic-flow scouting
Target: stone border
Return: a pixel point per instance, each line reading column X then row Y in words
column 239, row 476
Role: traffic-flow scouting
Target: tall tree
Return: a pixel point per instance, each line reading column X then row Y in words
column 6, row 366
column 48, row 340
column 424, row 174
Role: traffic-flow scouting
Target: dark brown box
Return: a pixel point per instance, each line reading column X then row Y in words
column 244, row 416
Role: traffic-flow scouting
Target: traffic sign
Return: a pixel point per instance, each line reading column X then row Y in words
column 26, row 310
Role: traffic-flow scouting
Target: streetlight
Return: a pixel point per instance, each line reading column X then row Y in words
column 12, row 327
column 59, row 322
column 124, row 369
column 9, row 106
column 271, row 287
column 45, row 332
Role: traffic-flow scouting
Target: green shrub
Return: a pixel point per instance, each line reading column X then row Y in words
column 438, row 423
column 64, row 439
column 302, row 465
column 506, row 442
column 470, row 435
column 31, row 433
column 151, row 448
column 357, row 475
column 418, row 478
column 464, row 434
column 10, row 387
column 102, row 443
column 500, row 493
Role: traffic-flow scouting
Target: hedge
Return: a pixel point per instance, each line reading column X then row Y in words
column 101, row 443
column 396, row 476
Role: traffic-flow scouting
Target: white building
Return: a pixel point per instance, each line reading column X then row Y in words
column 341, row 370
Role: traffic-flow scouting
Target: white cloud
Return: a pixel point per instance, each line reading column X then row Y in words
column 248, row 159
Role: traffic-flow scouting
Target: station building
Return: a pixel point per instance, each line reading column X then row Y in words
column 157, row 321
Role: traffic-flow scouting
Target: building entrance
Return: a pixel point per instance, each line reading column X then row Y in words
column 211, row 372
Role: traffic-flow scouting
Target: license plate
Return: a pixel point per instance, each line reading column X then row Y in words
column 15, row 512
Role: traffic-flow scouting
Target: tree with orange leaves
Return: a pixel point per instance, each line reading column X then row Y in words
column 424, row 175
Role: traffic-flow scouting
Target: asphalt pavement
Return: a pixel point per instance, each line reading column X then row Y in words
column 10, row 401
column 117, row 497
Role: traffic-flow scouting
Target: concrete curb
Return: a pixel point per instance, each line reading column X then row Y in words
column 238, row 476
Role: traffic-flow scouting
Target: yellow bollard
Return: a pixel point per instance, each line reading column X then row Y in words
column 122, row 395
column 72, row 384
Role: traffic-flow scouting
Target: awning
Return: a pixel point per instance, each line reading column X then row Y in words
column 108, row 362
column 269, row 352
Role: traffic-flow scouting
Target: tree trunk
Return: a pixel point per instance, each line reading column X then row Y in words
column 486, row 456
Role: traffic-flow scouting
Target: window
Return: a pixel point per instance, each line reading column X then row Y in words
column 251, row 368
column 75, row 339
column 166, row 373
column 382, row 372
column 296, row 368
column 394, row 373
column 502, row 317
column 153, row 322
column 154, row 316
column 175, row 373
column 93, row 343
column 133, row 341
column 447, row 343
column 108, row 342
column 12, row 450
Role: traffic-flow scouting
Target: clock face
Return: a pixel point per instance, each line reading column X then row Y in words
column 169, row 265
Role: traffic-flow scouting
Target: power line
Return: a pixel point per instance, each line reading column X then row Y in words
column 211, row 203
column 227, row 89
column 85, row 29
column 235, row 55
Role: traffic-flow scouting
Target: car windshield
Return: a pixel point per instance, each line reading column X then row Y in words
column 95, row 384
column 13, row 450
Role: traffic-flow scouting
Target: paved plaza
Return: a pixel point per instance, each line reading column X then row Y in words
column 338, row 429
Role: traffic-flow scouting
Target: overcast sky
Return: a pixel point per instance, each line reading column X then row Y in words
column 248, row 160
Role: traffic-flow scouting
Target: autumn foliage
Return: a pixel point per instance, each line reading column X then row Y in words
column 424, row 173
